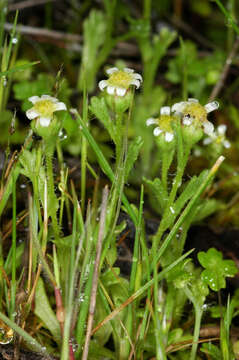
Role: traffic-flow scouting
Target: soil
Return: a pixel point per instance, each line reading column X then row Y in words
column 7, row 353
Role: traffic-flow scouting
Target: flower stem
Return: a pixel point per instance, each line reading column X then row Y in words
column 52, row 196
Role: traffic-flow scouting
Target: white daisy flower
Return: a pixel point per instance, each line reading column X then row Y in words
column 43, row 109
column 120, row 80
column 195, row 114
column 163, row 124
column 218, row 137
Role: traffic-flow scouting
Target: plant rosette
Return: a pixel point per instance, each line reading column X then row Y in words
column 163, row 131
column 44, row 122
column 194, row 119
column 118, row 88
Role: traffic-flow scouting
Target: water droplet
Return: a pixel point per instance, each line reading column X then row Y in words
column 172, row 210
column 23, row 186
column 62, row 135
column 14, row 40
column 4, row 81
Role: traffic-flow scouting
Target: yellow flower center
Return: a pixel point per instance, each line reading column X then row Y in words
column 164, row 122
column 121, row 79
column 197, row 111
column 45, row 107
column 219, row 139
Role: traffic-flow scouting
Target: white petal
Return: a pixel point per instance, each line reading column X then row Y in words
column 151, row 121
column 136, row 83
column 110, row 90
column 193, row 100
column 226, row 144
column 44, row 121
column 60, row 106
column 157, row 131
column 179, row 107
column 207, row 141
column 34, row 99
column 138, row 77
column 208, row 127
column 111, row 70
column 214, row 105
column 48, row 97
column 221, row 129
column 128, row 70
column 168, row 137
column 165, row 110
column 32, row 114
column 187, row 120
column 120, row 91
column 102, row 84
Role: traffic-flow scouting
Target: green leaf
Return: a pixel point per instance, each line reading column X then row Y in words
column 94, row 35
column 132, row 155
column 211, row 350
column 44, row 311
column 216, row 269
column 100, row 110
column 158, row 191
column 18, row 68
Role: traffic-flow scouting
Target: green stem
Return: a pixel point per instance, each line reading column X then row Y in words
column 51, row 191
column 119, row 132
column 147, row 9
column 198, row 317
column 14, row 237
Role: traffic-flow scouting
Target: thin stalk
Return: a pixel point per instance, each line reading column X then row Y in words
column 14, row 247
column 228, row 16
column 158, row 331
column 133, row 286
column 96, row 273
column 119, row 132
column 66, row 350
column 49, row 155
column 147, row 9
column 198, row 318
column 84, row 153
column 167, row 158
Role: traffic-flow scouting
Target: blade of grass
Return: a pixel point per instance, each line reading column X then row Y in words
column 96, row 273
column 14, row 238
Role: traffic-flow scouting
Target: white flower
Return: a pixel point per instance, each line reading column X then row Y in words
column 164, row 124
column 195, row 114
column 43, row 109
column 218, row 137
column 120, row 80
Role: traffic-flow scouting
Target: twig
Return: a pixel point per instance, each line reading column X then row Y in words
column 27, row 3
column 191, row 31
column 219, row 85
column 96, row 273
column 36, row 31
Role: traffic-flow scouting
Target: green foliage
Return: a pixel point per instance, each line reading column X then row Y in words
column 201, row 72
column 44, row 311
column 216, row 269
